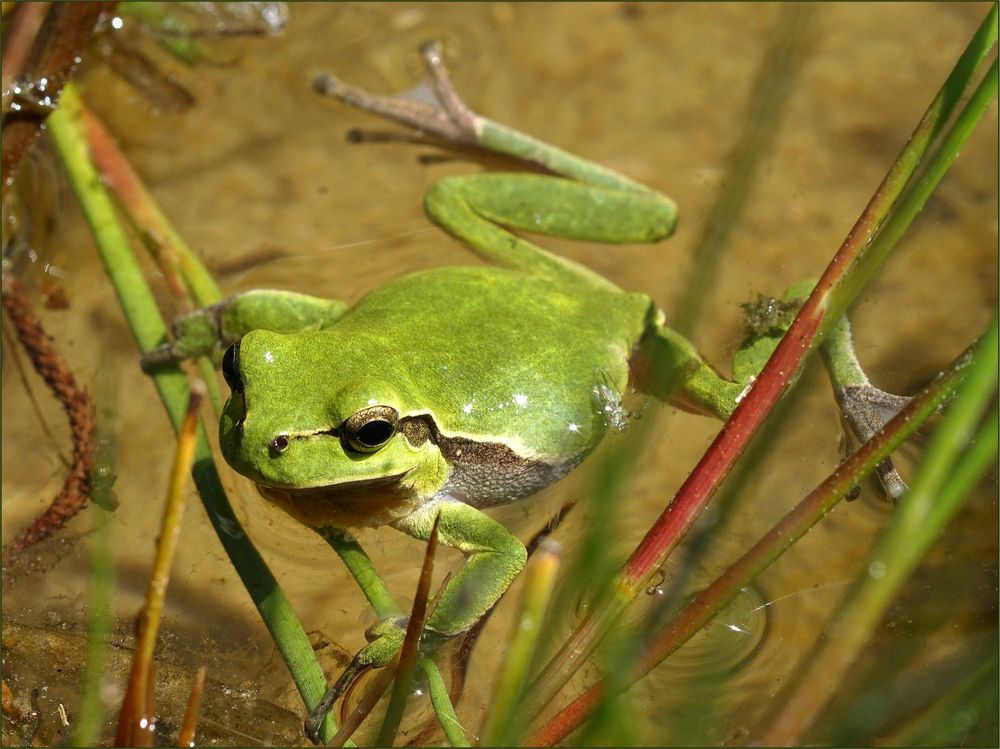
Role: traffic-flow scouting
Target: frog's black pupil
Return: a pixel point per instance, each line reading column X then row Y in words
column 375, row 432
column 231, row 368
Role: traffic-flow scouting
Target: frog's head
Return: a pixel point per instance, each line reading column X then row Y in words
column 320, row 433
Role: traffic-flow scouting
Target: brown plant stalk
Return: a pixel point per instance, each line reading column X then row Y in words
column 79, row 411
column 43, row 52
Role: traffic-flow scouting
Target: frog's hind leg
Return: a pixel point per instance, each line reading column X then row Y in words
column 667, row 366
column 864, row 408
column 440, row 112
column 593, row 203
column 477, row 208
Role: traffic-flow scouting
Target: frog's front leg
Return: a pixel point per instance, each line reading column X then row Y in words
column 494, row 558
column 209, row 330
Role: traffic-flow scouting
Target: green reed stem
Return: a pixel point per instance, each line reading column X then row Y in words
column 149, row 330
column 896, row 202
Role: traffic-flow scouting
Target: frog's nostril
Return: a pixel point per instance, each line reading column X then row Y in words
column 279, row 444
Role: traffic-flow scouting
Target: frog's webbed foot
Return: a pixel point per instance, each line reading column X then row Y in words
column 314, row 720
column 865, row 410
column 194, row 334
column 446, row 117
column 384, row 641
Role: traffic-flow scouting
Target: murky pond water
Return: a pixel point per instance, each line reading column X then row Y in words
column 259, row 178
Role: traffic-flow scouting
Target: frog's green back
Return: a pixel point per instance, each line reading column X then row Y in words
column 480, row 349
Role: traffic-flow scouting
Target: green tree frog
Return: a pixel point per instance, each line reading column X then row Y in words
column 455, row 389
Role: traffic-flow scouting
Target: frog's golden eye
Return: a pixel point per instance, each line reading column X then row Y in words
column 370, row 428
column 231, row 368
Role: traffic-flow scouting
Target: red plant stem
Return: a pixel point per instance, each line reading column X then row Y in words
column 725, row 450
column 186, row 736
column 123, row 181
column 569, row 718
column 854, row 263
column 697, row 490
column 820, row 310
column 750, row 414
column 408, row 653
column 788, row 530
column 21, row 31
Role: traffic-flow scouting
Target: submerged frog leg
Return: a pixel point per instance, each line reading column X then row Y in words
column 864, row 408
column 451, row 120
column 667, row 366
column 209, row 330
column 447, row 117
column 587, row 201
column 494, row 557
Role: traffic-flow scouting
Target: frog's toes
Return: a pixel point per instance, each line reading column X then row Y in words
column 384, row 640
column 438, row 111
column 866, row 410
column 768, row 317
column 314, row 721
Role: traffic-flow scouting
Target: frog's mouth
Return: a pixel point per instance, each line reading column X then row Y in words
column 368, row 502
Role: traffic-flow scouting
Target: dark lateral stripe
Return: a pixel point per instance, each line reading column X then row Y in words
column 484, row 473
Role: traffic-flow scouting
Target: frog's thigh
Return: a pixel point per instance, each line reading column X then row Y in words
column 495, row 558
column 559, row 207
